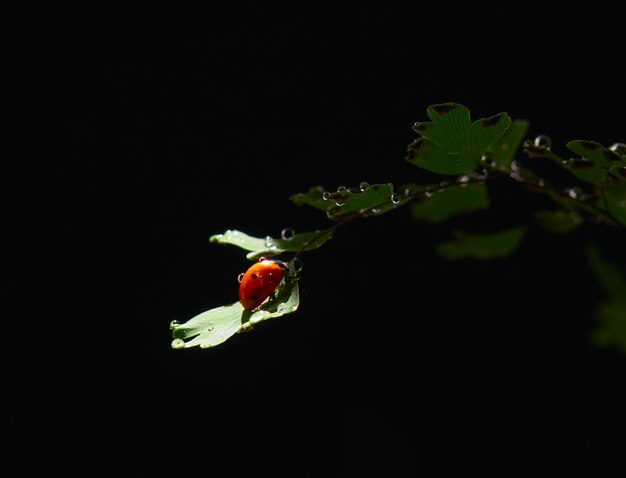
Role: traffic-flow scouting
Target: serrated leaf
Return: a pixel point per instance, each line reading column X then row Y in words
column 451, row 143
column 482, row 246
column 503, row 150
column 270, row 246
column 451, row 201
column 215, row 326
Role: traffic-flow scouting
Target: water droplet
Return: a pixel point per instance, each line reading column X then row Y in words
column 527, row 143
column 174, row 324
column 573, row 193
column 297, row 265
column 341, row 189
column 269, row 242
column 619, row 148
column 463, row 179
column 395, row 199
column 375, row 210
column 262, row 258
column 542, row 141
column 178, row 344
column 444, row 184
column 210, row 328
column 287, row 234
column 541, row 182
column 484, row 158
column 364, row 185
column 325, row 195
column 240, row 277
column 428, row 194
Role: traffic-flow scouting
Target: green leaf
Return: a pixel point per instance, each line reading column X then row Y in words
column 610, row 314
column 619, row 172
column 503, row 150
column 457, row 199
column 270, row 246
column 559, row 222
column 482, row 246
column 595, row 152
column 374, row 199
column 451, row 143
column 215, row 326
column 614, row 201
column 367, row 200
column 313, row 197
column 611, row 328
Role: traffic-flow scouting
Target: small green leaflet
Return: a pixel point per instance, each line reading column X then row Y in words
column 482, row 246
column 366, row 200
column 611, row 313
column 270, row 246
column 502, row 152
column 451, row 201
column 451, row 143
column 217, row 325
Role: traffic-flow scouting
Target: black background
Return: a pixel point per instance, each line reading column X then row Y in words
column 397, row 363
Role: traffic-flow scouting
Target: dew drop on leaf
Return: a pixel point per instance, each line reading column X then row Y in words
column 542, row 141
column 174, row 324
column 428, row 194
column 269, row 242
column 341, row 189
column 297, row 265
column 619, row 148
column 287, row 234
column 395, row 199
column 178, row 344
column 364, row 185
column 574, row 193
column 325, row 195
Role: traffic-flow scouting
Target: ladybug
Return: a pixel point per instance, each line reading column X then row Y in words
column 259, row 281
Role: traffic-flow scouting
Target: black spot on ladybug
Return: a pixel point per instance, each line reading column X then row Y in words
column 492, row 121
column 590, row 145
column 444, row 108
column 610, row 155
column 254, row 276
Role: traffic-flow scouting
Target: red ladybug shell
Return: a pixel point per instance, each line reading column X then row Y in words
column 258, row 283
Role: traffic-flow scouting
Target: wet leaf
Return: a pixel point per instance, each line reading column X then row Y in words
column 482, row 246
column 270, row 246
column 215, row 326
column 451, row 201
column 371, row 200
column 313, row 197
column 503, row 150
column 451, row 143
